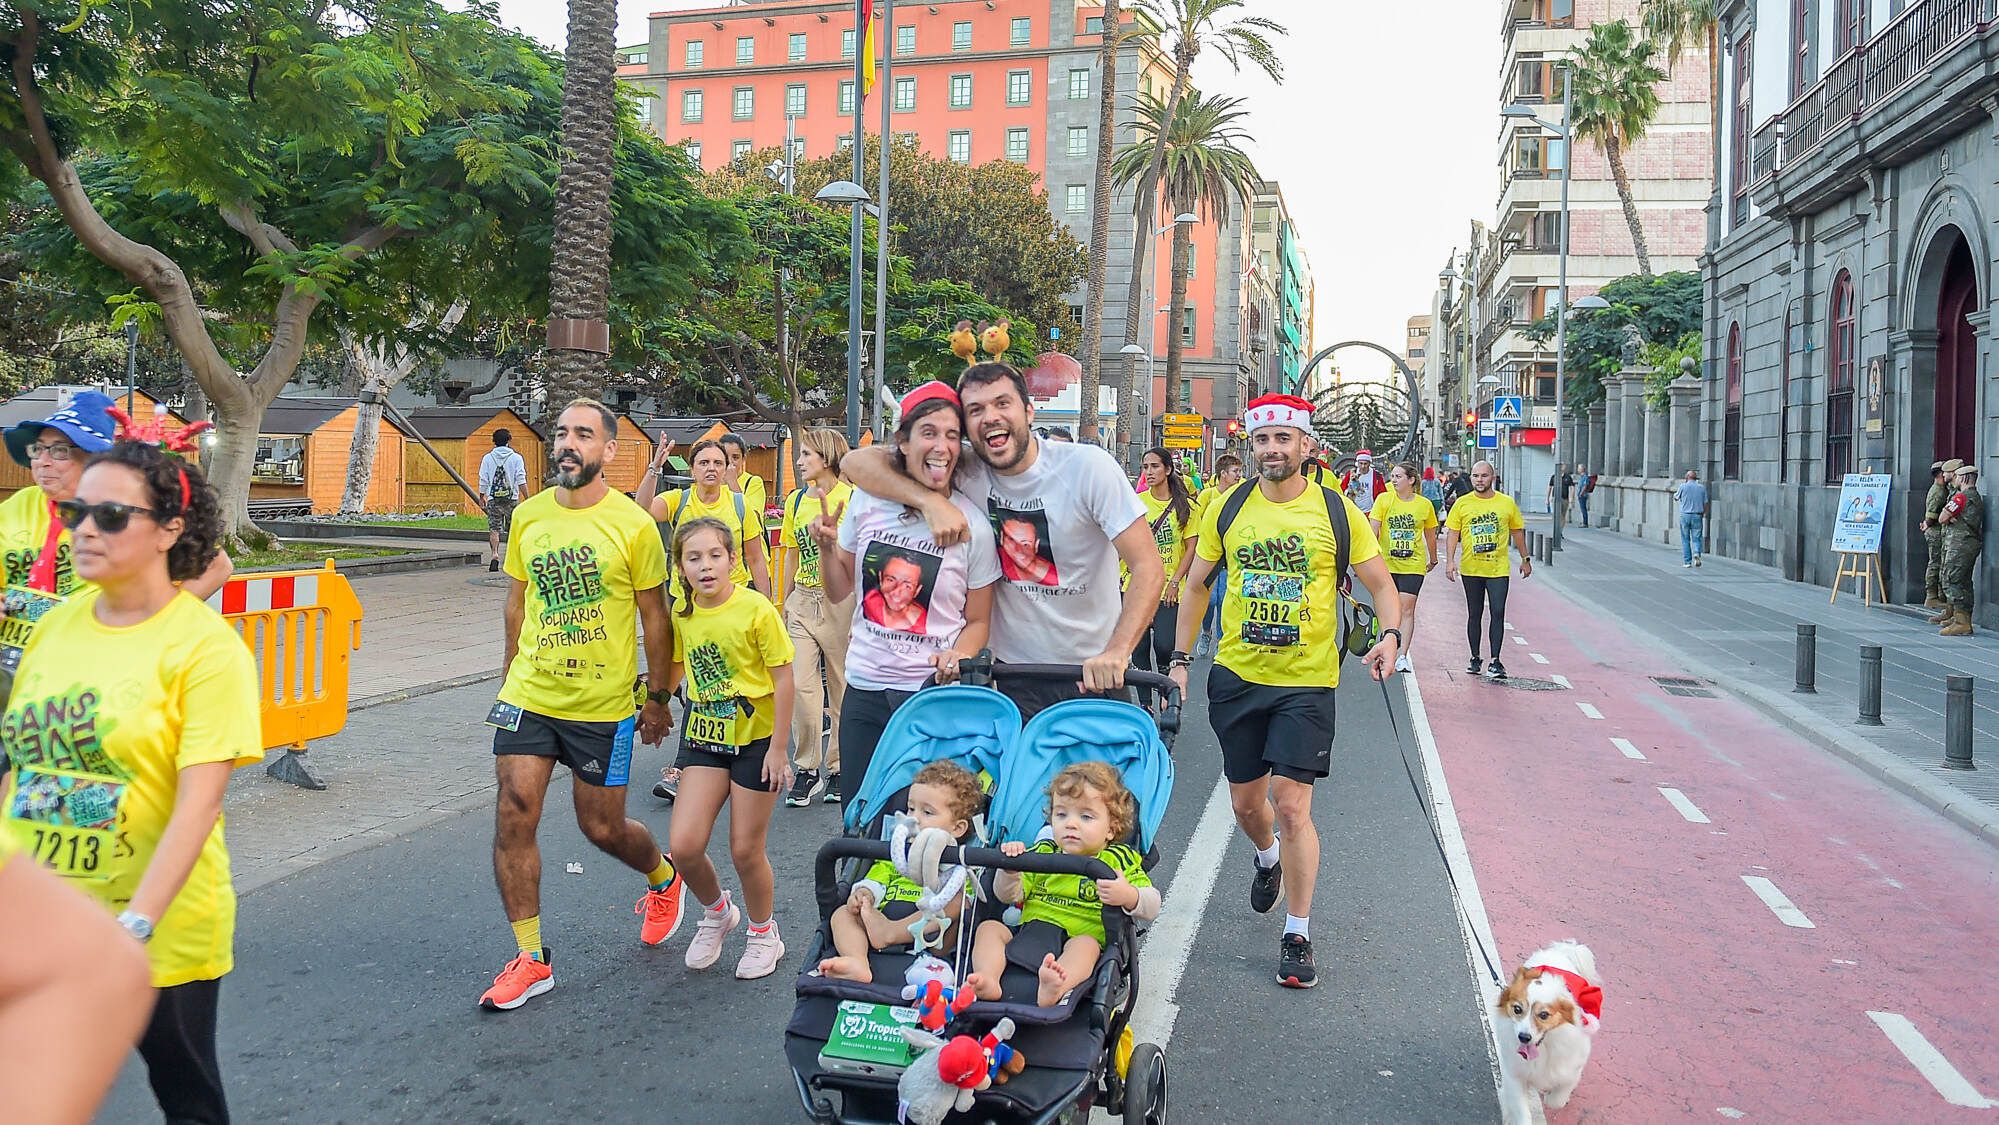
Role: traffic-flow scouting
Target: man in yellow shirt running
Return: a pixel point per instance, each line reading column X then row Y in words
column 1482, row 523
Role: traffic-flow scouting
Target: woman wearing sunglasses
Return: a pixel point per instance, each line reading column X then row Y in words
column 133, row 703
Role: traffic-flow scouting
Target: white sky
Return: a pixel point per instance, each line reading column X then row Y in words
column 1383, row 138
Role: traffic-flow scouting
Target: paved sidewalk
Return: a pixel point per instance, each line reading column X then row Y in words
column 1739, row 622
column 426, row 627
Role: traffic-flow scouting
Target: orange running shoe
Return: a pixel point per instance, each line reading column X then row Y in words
column 522, row 980
column 662, row 912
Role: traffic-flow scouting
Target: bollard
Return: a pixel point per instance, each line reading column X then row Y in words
column 1870, row 686
column 1957, row 724
column 1808, row 659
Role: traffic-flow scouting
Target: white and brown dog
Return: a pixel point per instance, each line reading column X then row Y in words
column 1545, row 1018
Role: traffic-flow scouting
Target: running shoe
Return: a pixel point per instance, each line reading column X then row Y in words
column 1472, row 668
column 1294, row 962
column 668, row 786
column 832, row 794
column 706, row 948
column 662, row 912
column 1697, row 560
column 493, row 567
column 1264, row 885
column 522, row 980
column 761, row 956
column 1402, row 664
column 1496, row 670
column 801, row 789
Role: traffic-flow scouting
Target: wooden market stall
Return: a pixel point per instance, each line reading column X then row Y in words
column 634, row 454
column 464, row 435
column 302, row 452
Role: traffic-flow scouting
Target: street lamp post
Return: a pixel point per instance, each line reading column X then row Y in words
column 851, row 194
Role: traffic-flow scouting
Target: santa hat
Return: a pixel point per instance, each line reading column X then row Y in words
column 1277, row 410
column 1364, row 455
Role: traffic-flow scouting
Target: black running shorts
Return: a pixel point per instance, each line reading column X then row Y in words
column 1411, row 584
column 746, row 768
column 1263, row 730
column 597, row 753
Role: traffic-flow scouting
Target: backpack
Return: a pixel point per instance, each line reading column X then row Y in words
column 680, row 504
column 503, row 481
column 1357, row 621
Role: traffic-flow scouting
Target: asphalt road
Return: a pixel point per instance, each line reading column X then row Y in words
column 354, row 995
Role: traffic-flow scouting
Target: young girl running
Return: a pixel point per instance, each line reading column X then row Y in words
column 944, row 795
column 1406, row 524
column 730, row 647
column 1089, row 810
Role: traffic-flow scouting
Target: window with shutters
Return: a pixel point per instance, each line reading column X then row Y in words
column 1840, row 345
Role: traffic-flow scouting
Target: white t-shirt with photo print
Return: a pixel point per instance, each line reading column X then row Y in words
column 1058, row 599
column 884, row 651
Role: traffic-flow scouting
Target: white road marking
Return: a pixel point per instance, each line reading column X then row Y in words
column 1172, row 938
column 1564, row 681
column 1929, row 1062
column 1686, row 808
column 1520, row 640
column 1730, row 1112
column 1624, row 747
column 1589, row 710
column 1538, row 658
column 1509, row 626
column 1782, row 907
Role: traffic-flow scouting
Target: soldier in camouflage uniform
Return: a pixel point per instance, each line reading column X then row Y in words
column 1933, row 540
column 1963, row 538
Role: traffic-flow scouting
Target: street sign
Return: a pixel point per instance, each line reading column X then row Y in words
column 1488, row 433
column 1506, row 410
column 1182, row 443
column 1173, row 430
column 1183, row 420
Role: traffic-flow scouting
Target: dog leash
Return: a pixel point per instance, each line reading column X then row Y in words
column 1436, row 835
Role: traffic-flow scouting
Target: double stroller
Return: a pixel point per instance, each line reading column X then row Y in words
column 1079, row 1054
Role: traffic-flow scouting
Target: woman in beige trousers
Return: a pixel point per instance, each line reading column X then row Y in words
column 818, row 626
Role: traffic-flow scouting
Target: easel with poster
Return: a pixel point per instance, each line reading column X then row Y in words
column 1856, row 533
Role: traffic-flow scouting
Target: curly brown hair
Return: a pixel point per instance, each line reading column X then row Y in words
column 1083, row 778
column 958, row 783
column 167, row 478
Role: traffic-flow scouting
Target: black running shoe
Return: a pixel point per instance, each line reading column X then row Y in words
column 1294, row 962
column 493, row 567
column 1264, row 885
column 832, row 794
column 801, row 789
column 1496, row 670
column 668, row 788
column 1473, row 668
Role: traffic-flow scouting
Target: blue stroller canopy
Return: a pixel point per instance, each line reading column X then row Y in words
column 1081, row 730
column 974, row 727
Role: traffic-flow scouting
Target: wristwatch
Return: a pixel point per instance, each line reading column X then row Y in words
column 1398, row 636
column 660, row 696
column 1179, row 659
column 137, row 924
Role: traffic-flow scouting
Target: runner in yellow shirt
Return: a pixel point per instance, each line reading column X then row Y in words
column 119, row 765
column 755, row 497
column 1169, row 513
column 1405, row 524
column 1482, row 522
column 1228, row 474
column 709, row 496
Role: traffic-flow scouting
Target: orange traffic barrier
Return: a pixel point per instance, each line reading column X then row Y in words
column 303, row 627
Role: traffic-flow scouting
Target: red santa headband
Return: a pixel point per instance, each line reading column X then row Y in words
column 1277, row 410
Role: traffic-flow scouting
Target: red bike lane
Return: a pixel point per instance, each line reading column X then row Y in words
column 1780, row 937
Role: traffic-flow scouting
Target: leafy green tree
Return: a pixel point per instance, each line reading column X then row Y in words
column 1663, row 308
column 1613, row 100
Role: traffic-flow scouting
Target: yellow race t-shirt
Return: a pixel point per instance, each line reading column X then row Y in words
column 755, row 497
column 1280, row 614
column 1485, row 528
column 1402, row 525
column 799, row 512
column 24, row 527
column 728, row 652
column 685, row 505
column 100, row 724
column 1168, row 534
column 578, row 652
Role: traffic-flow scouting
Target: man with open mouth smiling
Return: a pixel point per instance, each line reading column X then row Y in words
column 1068, row 611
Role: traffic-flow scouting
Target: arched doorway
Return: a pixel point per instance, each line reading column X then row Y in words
column 1956, row 423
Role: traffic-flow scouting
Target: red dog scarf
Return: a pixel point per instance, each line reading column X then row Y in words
column 1588, row 997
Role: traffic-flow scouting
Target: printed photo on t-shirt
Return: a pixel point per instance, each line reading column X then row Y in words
column 896, row 584
column 1025, row 553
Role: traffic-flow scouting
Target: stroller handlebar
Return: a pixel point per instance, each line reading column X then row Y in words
column 984, row 669
column 827, row 885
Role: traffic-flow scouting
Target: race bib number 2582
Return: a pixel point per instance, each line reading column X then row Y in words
column 1271, row 606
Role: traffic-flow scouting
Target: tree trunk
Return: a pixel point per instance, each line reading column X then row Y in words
column 1176, row 390
column 379, row 367
column 1615, row 153
column 579, row 282
column 361, row 454
column 1092, row 343
column 1141, row 245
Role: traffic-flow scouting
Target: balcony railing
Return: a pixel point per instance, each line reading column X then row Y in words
column 1866, row 77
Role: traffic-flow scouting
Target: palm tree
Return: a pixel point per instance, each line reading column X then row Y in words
column 1195, row 24
column 1680, row 24
column 1204, row 168
column 1092, row 343
column 579, row 268
column 1612, row 81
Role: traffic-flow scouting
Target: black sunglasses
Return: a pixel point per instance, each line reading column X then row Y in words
column 110, row 516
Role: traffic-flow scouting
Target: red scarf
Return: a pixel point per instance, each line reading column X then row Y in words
column 1588, row 996
column 42, row 576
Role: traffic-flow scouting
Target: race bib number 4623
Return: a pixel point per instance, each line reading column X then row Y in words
column 712, row 727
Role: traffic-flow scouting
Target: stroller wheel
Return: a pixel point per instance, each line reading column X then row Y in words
column 1145, row 1087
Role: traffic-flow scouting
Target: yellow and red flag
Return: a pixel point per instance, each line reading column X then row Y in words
column 864, row 16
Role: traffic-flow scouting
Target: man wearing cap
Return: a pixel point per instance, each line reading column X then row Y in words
column 1963, row 519
column 34, row 546
column 1271, row 688
column 1361, row 483
column 1939, row 495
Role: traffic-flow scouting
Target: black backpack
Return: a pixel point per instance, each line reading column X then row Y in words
column 1357, row 621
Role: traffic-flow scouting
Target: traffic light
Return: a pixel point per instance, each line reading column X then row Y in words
column 1471, row 419
column 1235, row 427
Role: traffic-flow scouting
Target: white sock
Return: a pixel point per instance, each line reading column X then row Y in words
column 1266, row 858
column 1300, row 926
column 760, row 927
column 719, row 906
